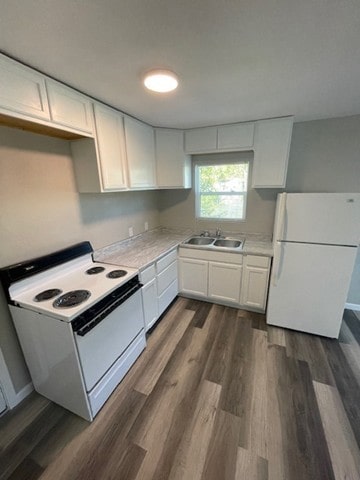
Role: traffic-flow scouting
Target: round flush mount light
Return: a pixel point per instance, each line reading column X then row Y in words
column 161, row 81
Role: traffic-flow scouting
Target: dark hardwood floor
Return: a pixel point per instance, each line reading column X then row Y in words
column 217, row 395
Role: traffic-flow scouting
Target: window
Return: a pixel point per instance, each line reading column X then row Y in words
column 221, row 190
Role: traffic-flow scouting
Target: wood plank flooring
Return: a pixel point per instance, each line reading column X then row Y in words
column 217, row 395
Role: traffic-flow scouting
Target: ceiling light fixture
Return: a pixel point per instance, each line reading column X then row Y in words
column 161, row 81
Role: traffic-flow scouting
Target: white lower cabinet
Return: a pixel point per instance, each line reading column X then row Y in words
column 255, row 282
column 193, row 276
column 160, row 287
column 225, row 278
column 167, row 296
column 150, row 303
column 224, row 282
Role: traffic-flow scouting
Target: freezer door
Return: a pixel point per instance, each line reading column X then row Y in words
column 309, row 286
column 329, row 218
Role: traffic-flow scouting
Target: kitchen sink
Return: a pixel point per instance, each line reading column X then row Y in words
column 227, row 243
column 200, row 241
column 214, row 243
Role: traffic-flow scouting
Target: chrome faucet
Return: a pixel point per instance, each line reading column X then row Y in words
column 218, row 232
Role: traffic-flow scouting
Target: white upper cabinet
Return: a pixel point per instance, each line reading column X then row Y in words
column 173, row 166
column 111, row 147
column 22, row 91
column 271, row 152
column 70, row 108
column 100, row 163
column 201, row 140
column 222, row 138
column 140, row 151
column 239, row 136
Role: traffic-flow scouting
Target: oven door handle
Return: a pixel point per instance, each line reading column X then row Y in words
column 104, row 313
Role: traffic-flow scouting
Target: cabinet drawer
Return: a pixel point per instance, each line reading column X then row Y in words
column 166, row 277
column 257, row 261
column 168, row 296
column 148, row 274
column 165, row 261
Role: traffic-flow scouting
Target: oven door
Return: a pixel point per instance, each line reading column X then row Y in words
column 101, row 346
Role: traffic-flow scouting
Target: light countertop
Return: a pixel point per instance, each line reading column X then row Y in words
column 144, row 249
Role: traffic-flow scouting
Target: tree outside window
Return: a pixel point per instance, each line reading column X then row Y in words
column 221, row 191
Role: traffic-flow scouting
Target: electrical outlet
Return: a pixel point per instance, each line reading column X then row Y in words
column 131, row 231
column 146, row 226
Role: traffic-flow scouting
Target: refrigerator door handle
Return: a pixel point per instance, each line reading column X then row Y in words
column 278, row 253
column 282, row 213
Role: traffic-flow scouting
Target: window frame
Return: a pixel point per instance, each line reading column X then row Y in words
column 212, row 163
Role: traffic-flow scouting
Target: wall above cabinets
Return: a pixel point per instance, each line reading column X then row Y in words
column 115, row 152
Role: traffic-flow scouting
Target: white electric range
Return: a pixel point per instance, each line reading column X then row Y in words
column 80, row 324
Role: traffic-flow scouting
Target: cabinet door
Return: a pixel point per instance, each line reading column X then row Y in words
column 22, row 90
column 167, row 296
column 201, row 140
column 140, row 150
column 2, row 402
column 239, row 136
column 166, row 277
column 111, row 147
column 224, row 282
column 271, row 152
column 69, row 108
column 150, row 303
column 193, row 276
column 254, row 287
column 173, row 166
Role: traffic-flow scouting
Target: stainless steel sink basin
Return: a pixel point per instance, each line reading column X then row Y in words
column 227, row 243
column 200, row 241
column 214, row 243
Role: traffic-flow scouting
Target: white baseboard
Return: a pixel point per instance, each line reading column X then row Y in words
column 353, row 306
column 23, row 393
column 12, row 397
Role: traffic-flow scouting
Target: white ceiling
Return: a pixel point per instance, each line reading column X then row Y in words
column 237, row 59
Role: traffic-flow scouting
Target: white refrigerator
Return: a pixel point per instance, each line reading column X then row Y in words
column 316, row 236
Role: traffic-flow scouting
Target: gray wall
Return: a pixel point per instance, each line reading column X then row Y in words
column 41, row 211
column 177, row 207
column 325, row 157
